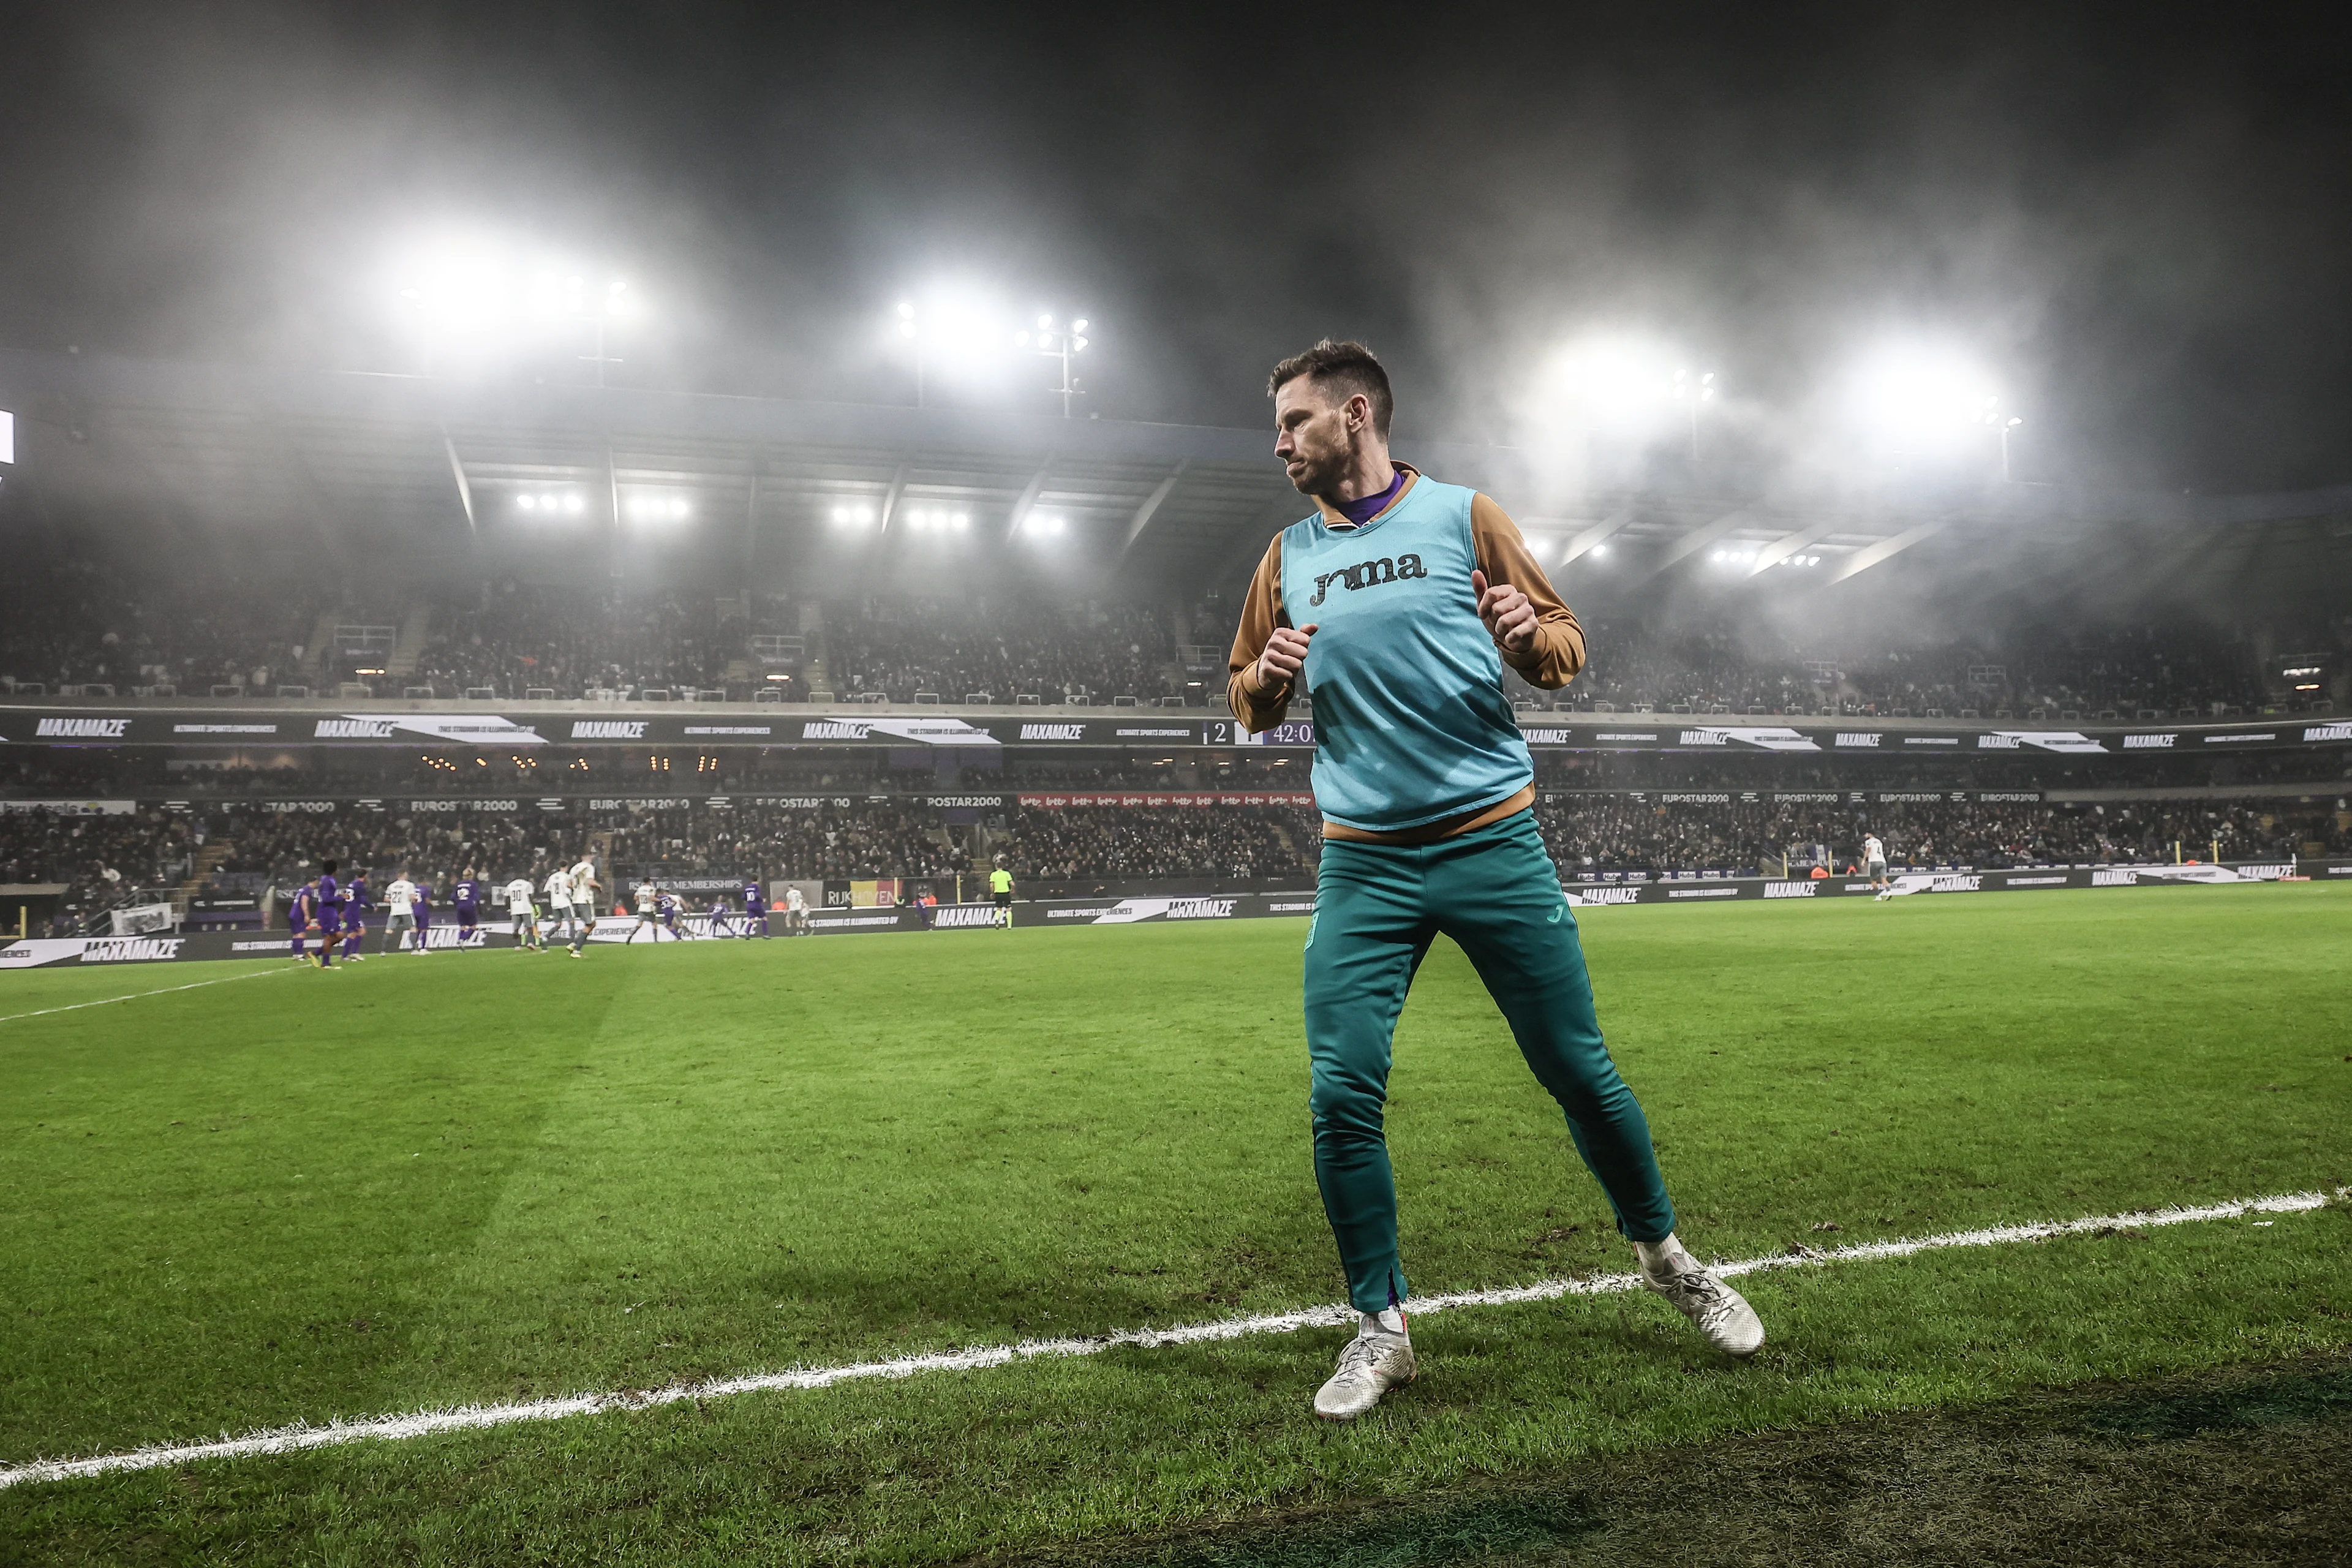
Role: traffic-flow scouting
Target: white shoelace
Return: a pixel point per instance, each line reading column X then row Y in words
column 1362, row 1352
column 1709, row 1302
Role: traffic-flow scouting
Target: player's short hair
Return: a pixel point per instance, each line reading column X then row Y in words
column 327, row 867
column 1345, row 368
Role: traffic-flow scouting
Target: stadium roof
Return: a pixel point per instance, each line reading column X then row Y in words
column 442, row 464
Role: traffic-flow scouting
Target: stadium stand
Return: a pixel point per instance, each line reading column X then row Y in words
column 68, row 625
column 237, row 847
column 1619, row 835
column 1092, row 652
column 96, row 862
column 72, row 623
column 509, row 640
column 2120, row 671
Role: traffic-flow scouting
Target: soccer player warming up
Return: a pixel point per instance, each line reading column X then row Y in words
column 1394, row 607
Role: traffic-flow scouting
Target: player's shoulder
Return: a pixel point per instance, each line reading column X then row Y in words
column 1429, row 490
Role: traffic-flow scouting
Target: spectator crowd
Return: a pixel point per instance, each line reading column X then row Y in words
column 1602, row 832
column 68, row 621
column 103, row 860
column 2177, row 672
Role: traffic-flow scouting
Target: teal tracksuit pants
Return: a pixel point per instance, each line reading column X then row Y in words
column 1377, row 908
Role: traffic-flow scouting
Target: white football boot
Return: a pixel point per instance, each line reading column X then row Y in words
column 1370, row 1366
column 1715, row 1309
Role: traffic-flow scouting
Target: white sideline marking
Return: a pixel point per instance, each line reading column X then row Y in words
column 134, row 996
column 473, row 1417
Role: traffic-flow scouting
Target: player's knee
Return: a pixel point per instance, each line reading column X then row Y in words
column 1344, row 1106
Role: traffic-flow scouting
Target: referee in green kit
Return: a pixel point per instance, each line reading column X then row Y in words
column 1394, row 607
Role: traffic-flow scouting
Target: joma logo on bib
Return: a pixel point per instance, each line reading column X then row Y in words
column 1369, row 573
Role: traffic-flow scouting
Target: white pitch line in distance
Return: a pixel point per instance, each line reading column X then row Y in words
column 134, row 996
column 475, row 1417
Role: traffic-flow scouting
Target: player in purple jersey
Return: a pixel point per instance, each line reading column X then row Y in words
column 421, row 907
column 355, row 908
column 666, row 903
column 755, row 908
column 331, row 913
column 720, row 913
column 302, row 913
column 466, row 895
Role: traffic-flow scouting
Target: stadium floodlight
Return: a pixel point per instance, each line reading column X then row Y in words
column 1625, row 384
column 658, row 508
column 936, row 520
column 475, row 300
column 951, row 332
column 549, row 503
column 7, row 437
column 1043, row 525
column 1927, row 400
column 958, row 331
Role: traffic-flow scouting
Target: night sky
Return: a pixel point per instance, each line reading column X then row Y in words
column 2139, row 225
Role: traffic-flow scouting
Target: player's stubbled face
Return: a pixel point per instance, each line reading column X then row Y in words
column 1311, row 435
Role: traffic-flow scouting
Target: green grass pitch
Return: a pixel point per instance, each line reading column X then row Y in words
column 501, row 1176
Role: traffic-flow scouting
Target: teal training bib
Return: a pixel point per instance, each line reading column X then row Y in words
column 1411, row 722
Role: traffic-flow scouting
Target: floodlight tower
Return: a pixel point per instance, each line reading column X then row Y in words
column 477, row 301
column 1059, row 344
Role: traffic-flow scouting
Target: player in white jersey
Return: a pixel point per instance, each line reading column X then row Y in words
column 795, row 912
column 526, row 917
column 400, row 926
column 584, row 888
column 648, row 913
column 1873, row 864
column 558, row 888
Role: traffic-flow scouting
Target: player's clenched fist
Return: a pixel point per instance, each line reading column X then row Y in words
column 1511, row 619
column 1284, row 657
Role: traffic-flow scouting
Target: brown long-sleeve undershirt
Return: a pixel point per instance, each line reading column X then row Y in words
column 1551, row 661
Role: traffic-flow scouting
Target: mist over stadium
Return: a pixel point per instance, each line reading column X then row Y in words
column 808, row 474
